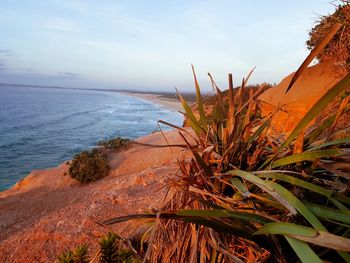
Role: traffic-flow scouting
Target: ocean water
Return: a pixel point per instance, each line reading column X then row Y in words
column 42, row 127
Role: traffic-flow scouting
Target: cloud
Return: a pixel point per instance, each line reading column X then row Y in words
column 3, row 67
column 69, row 74
column 77, row 6
column 60, row 24
column 6, row 52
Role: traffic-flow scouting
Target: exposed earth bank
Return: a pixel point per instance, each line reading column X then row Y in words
column 48, row 212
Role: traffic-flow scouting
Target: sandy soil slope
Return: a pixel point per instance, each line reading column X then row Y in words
column 48, row 212
column 312, row 85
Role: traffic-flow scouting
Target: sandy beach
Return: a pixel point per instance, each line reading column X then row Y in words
column 172, row 104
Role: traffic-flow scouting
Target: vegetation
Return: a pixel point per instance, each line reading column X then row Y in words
column 112, row 250
column 338, row 49
column 89, row 166
column 117, row 143
column 78, row 256
column 249, row 195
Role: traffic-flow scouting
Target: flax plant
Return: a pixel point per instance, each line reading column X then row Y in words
column 249, row 195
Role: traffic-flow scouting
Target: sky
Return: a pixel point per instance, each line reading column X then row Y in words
column 150, row 45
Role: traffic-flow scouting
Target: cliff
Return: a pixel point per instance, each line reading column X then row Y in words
column 48, row 212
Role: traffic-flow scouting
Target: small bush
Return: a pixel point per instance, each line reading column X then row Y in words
column 112, row 250
column 117, row 143
column 66, row 257
column 108, row 248
column 81, row 254
column 338, row 49
column 89, row 166
column 78, row 256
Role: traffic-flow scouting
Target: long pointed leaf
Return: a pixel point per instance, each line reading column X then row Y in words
column 306, row 156
column 329, row 213
column 307, row 234
column 303, row 251
column 282, row 228
column 331, row 143
column 336, row 90
column 224, row 214
column 334, row 29
column 264, row 186
column 193, row 120
column 307, row 185
column 202, row 117
column 309, row 216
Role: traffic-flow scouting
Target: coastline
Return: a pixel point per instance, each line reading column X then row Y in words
column 158, row 99
column 171, row 105
column 53, row 212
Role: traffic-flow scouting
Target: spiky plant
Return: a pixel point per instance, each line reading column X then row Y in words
column 78, row 256
column 81, row 254
column 112, row 250
column 66, row 257
column 251, row 195
column 109, row 249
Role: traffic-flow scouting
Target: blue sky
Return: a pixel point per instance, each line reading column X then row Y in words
column 150, row 45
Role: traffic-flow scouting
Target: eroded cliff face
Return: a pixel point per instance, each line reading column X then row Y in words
column 308, row 89
column 48, row 212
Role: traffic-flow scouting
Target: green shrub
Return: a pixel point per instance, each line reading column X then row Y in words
column 338, row 49
column 89, row 166
column 66, row 257
column 112, row 250
column 78, row 256
column 117, row 143
column 108, row 248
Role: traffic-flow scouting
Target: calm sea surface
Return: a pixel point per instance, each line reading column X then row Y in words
column 42, row 127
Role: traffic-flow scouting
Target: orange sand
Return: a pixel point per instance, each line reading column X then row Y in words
column 312, row 85
column 48, row 212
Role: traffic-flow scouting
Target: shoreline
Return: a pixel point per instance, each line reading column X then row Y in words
column 165, row 99
column 158, row 99
column 170, row 104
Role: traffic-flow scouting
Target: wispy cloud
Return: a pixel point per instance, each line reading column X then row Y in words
column 6, row 52
column 3, row 67
column 60, row 24
column 73, row 5
column 69, row 74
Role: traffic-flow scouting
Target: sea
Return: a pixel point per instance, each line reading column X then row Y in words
column 43, row 127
